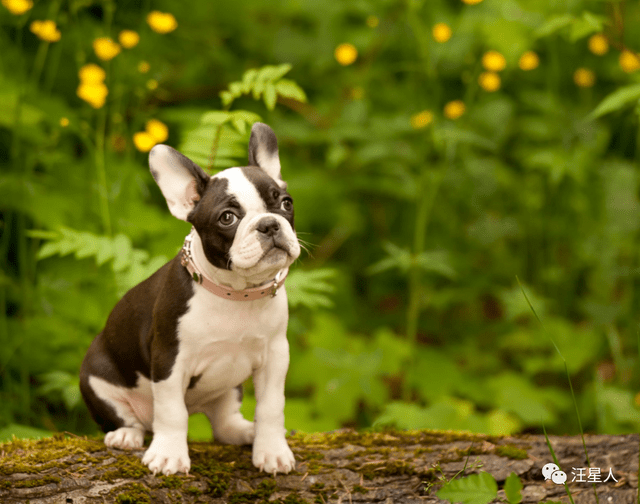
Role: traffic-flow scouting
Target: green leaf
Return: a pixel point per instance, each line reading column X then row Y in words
column 475, row 489
column 311, row 289
column 227, row 98
column 512, row 489
column 271, row 73
column 270, row 97
column 257, row 89
column 589, row 23
column 553, row 25
column 616, row 100
column 397, row 257
column 215, row 117
column 122, row 251
column 248, row 78
column 290, row 89
column 435, row 261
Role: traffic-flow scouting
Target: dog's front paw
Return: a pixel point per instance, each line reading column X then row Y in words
column 124, row 438
column 167, row 455
column 273, row 455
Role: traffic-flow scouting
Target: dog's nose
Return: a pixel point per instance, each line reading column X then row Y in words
column 268, row 226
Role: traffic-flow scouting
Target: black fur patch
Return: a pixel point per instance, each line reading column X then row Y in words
column 140, row 336
column 262, row 137
column 269, row 190
column 216, row 238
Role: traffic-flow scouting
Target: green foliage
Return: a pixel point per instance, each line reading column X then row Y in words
column 311, row 289
column 478, row 488
column 513, row 488
column 266, row 83
column 406, row 311
column 131, row 266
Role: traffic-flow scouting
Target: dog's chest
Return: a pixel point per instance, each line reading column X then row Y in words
column 220, row 342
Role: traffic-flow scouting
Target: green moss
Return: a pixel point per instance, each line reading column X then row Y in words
column 217, row 485
column 171, row 482
column 309, row 455
column 316, row 487
column 293, row 498
column 31, row 483
column 194, row 490
column 359, row 489
column 125, row 466
column 31, row 456
column 133, row 493
column 207, row 462
column 341, row 438
column 261, row 494
column 511, row 451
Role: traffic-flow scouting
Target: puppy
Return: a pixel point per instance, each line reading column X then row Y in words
column 184, row 340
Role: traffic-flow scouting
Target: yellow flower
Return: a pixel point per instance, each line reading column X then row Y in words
column 489, row 81
column 471, row 2
column 152, row 84
column 421, row 119
column 17, row 7
column 493, row 61
column 629, row 61
column 454, row 109
column 583, row 77
column 598, row 44
column 372, row 21
column 529, row 61
column 157, row 129
column 128, row 39
column 45, row 30
column 105, row 48
column 91, row 73
column 143, row 141
column 64, row 122
column 144, row 67
column 345, row 54
column 441, row 32
column 161, row 22
column 94, row 93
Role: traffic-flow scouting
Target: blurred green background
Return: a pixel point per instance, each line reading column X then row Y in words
column 445, row 157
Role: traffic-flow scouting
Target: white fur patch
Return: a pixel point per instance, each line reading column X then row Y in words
column 133, row 405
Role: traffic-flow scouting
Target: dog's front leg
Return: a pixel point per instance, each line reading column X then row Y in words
column 271, row 452
column 168, row 452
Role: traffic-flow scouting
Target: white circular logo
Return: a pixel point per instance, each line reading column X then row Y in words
column 548, row 470
column 559, row 477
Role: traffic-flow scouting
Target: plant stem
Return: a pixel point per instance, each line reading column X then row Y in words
column 102, row 173
column 427, row 190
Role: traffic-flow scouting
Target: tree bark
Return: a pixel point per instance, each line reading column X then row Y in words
column 338, row 467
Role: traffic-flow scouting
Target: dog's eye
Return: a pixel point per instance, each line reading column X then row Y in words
column 287, row 204
column 228, row 219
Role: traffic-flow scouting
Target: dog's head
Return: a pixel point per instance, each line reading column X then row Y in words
column 243, row 215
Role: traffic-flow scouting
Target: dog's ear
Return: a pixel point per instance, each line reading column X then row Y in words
column 181, row 181
column 263, row 150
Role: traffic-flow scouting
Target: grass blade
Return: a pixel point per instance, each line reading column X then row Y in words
column 555, row 461
column 573, row 395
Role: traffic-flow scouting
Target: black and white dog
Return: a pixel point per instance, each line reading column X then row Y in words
column 184, row 340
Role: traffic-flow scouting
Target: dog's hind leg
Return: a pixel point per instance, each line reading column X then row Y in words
column 113, row 409
column 228, row 424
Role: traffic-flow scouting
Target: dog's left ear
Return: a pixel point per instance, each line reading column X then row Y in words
column 263, row 150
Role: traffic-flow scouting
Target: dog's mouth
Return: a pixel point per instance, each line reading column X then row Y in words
column 276, row 253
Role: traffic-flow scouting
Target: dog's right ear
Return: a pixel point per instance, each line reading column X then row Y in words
column 181, row 181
